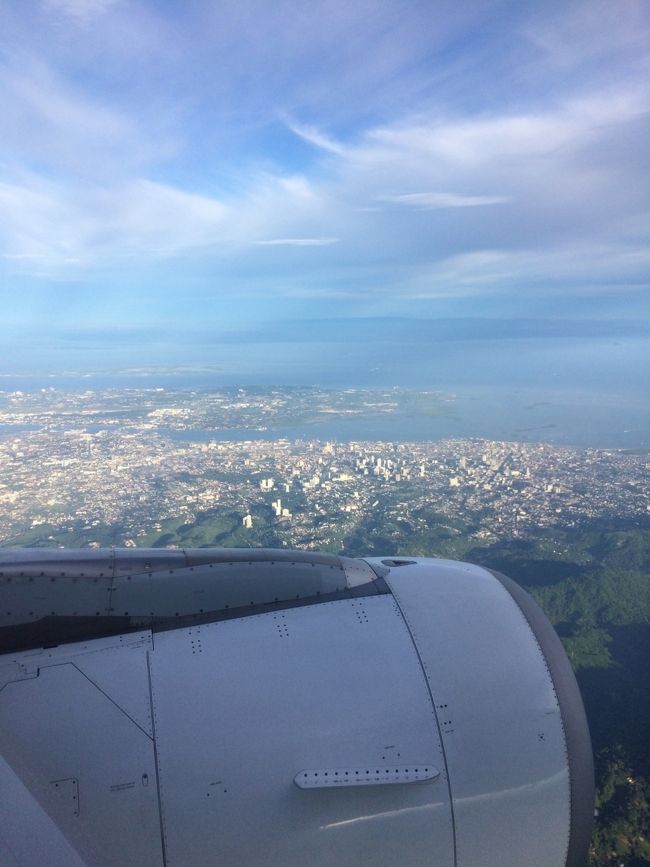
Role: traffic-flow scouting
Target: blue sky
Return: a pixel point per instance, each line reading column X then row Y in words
column 234, row 165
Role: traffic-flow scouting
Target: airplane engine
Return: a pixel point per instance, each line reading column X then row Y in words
column 259, row 707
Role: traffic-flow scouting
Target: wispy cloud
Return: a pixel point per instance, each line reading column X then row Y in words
column 590, row 269
column 315, row 137
column 297, row 242
column 82, row 10
column 177, row 133
column 52, row 125
column 431, row 201
column 21, row 257
column 57, row 226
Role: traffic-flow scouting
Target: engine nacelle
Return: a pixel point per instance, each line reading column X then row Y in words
column 226, row 707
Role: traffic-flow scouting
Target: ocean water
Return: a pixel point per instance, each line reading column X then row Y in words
column 585, row 393
column 560, row 418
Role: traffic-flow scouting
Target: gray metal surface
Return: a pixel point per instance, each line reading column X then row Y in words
column 240, row 707
column 498, row 714
column 106, row 562
column 574, row 722
column 327, row 778
column 215, row 587
column 79, row 748
column 28, row 836
column 153, row 583
column 228, row 742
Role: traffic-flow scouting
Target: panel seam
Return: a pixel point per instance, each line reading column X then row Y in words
column 425, row 674
column 163, row 838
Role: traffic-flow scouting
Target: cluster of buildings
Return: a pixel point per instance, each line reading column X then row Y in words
column 313, row 493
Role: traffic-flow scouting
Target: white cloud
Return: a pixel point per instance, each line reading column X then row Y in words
column 594, row 31
column 49, row 122
column 477, row 140
column 315, row 137
column 432, row 201
column 95, row 172
column 82, row 10
column 140, row 221
column 588, row 268
column 297, row 242
column 21, row 256
column 156, row 218
column 57, row 226
column 37, row 224
column 559, row 172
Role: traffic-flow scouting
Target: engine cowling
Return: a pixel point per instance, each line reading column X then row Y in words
column 261, row 707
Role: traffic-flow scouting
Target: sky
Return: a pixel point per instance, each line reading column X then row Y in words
column 173, row 175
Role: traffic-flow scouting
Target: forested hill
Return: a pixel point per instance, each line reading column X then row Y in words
column 598, row 597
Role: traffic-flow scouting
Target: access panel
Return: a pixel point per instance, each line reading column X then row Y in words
column 246, row 709
column 75, row 737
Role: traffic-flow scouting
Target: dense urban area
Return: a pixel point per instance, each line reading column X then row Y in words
column 160, row 467
column 85, row 462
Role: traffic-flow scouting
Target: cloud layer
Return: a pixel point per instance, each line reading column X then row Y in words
column 379, row 154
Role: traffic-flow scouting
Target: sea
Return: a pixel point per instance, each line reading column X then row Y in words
column 590, row 393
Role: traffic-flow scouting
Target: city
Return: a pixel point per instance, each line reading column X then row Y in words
column 84, row 462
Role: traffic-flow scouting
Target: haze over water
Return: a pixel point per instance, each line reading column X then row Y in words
column 588, row 392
